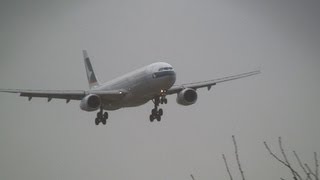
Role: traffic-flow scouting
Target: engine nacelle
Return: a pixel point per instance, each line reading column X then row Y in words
column 91, row 102
column 187, row 97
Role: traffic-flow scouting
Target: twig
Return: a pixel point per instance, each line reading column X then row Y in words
column 227, row 167
column 192, row 177
column 281, row 161
column 282, row 151
column 316, row 165
column 237, row 156
column 310, row 171
column 301, row 165
column 294, row 173
column 272, row 154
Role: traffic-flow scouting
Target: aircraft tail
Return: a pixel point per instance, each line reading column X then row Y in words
column 92, row 80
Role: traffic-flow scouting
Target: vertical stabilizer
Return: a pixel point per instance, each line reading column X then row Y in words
column 92, row 80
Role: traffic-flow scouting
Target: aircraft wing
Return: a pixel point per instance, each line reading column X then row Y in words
column 66, row 94
column 177, row 88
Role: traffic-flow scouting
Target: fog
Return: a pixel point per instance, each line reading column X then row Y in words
column 40, row 48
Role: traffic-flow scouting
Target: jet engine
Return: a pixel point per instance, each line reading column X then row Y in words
column 91, row 102
column 187, row 97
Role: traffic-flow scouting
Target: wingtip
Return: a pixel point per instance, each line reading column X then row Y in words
column 85, row 53
column 258, row 70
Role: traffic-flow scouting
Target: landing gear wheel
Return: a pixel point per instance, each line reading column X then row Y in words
column 165, row 100
column 158, row 118
column 97, row 121
column 160, row 112
column 151, row 118
column 101, row 117
column 105, row 115
column 154, row 111
column 104, row 121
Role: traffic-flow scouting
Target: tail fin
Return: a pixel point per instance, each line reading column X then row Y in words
column 92, row 80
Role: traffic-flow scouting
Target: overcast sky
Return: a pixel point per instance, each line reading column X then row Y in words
column 40, row 48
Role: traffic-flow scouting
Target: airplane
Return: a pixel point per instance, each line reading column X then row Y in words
column 150, row 83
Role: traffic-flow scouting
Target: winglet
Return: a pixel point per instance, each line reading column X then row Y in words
column 92, row 80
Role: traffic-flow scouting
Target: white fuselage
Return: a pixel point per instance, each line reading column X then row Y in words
column 140, row 85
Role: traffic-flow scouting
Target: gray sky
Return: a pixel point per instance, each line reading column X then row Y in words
column 40, row 47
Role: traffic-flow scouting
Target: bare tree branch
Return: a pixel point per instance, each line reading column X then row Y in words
column 282, row 151
column 310, row 171
column 301, row 165
column 237, row 156
column 228, row 170
column 295, row 174
column 273, row 155
column 316, row 165
column 192, row 177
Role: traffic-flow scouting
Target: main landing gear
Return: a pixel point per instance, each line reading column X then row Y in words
column 155, row 112
column 101, row 117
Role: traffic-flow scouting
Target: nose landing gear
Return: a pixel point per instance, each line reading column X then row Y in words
column 101, row 117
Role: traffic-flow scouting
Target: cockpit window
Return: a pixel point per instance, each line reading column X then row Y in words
column 165, row 69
